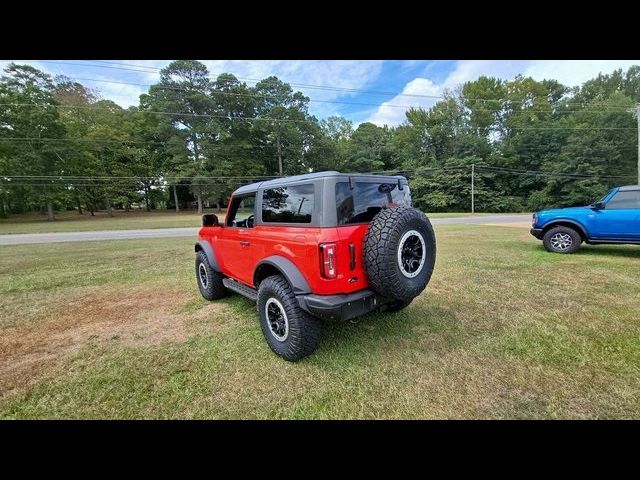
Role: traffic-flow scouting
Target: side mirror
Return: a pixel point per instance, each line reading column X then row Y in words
column 598, row 206
column 210, row 220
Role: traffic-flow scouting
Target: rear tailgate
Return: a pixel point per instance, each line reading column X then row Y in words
column 351, row 274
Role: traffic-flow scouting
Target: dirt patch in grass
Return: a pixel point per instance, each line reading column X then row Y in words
column 135, row 317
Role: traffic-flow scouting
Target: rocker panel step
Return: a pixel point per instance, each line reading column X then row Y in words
column 241, row 288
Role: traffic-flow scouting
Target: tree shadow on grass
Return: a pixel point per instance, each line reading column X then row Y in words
column 623, row 251
column 412, row 328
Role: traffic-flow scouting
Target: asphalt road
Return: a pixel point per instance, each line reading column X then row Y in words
column 28, row 238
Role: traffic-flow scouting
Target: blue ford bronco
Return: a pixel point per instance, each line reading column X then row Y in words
column 614, row 219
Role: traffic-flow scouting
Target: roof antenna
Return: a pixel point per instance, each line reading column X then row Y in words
column 351, row 185
column 400, row 187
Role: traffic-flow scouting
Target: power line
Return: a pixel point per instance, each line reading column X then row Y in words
column 285, row 120
column 529, row 172
column 182, row 114
column 135, row 67
column 418, row 171
column 352, row 90
column 551, row 110
column 251, row 80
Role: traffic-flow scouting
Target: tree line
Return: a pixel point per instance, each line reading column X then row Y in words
column 194, row 138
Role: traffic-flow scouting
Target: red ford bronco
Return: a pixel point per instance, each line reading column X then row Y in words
column 319, row 246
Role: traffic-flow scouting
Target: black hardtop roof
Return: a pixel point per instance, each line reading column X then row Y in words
column 627, row 188
column 252, row 187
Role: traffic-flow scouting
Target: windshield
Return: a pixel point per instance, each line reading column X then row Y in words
column 366, row 199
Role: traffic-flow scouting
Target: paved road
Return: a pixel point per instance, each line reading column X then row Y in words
column 27, row 238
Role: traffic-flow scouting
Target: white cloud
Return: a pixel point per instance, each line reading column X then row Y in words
column 464, row 71
column 567, row 72
column 339, row 74
column 391, row 114
column 122, row 94
column 467, row 70
column 574, row 72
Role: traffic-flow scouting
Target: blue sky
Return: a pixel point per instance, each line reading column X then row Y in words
column 396, row 82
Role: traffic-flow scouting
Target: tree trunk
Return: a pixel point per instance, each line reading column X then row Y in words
column 109, row 207
column 146, row 198
column 79, row 205
column 92, row 208
column 50, row 217
column 199, row 203
column 279, row 155
column 175, row 198
column 127, row 206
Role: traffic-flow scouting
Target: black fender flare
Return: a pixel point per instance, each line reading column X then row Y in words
column 205, row 246
column 556, row 221
column 288, row 270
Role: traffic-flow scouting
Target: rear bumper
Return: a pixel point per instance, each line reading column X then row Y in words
column 536, row 232
column 343, row 306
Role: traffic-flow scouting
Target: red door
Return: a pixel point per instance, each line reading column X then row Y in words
column 236, row 253
column 237, row 250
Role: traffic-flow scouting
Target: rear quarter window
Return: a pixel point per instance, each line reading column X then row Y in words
column 292, row 204
column 366, row 199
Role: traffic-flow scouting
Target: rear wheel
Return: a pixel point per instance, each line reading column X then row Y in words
column 290, row 331
column 562, row 239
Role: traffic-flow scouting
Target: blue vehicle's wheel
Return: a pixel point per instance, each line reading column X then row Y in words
column 562, row 239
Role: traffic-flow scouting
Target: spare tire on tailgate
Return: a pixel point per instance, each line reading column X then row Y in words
column 399, row 252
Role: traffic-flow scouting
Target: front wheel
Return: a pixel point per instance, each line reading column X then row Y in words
column 561, row 240
column 290, row 331
column 209, row 281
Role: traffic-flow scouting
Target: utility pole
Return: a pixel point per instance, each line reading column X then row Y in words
column 473, row 193
column 638, row 118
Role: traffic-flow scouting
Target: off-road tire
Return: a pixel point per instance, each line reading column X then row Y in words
column 381, row 245
column 303, row 335
column 551, row 244
column 211, row 288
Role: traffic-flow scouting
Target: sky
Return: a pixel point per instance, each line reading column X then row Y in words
column 377, row 91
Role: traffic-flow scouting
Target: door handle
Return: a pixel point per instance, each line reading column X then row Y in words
column 244, row 243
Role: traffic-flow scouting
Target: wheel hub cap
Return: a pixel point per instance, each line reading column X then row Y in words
column 277, row 319
column 561, row 241
column 202, row 274
column 412, row 253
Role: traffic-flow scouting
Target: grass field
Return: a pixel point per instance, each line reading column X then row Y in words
column 72, row 222
column 504, row 330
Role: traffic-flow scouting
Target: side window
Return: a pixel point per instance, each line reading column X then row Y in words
column 624, row 200
column 288, row 204
column 241, row 213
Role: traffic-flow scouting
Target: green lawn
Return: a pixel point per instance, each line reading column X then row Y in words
column 73, row 222
column 504, row 330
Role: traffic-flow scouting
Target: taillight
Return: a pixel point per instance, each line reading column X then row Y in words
column 329, row 265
